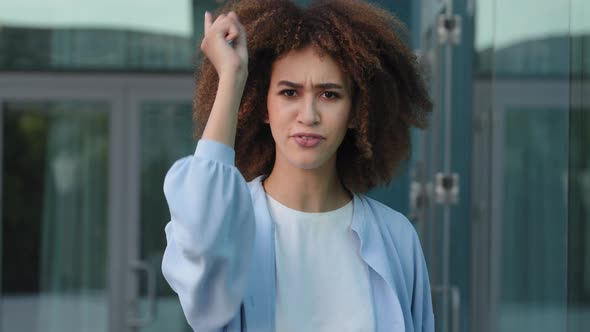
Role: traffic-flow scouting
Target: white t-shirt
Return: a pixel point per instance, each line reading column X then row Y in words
column 322, row 281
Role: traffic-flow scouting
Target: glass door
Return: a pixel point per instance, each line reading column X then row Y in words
column 161, row 132
column 58, row 207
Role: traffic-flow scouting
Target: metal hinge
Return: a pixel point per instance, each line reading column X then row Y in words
column 449, row 29
column 446, row 188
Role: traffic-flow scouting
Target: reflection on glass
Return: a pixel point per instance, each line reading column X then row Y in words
column 525, row 54
column 530, row 161
column 579, row 219
column 579, row 179
column 54, row 222
column 534, row 223
column 129, row 35
column 166, row 135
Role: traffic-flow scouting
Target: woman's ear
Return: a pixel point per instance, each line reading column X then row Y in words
column 266, row 118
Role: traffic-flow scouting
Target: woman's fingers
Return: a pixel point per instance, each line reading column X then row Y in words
column 234, row 30
column 232, row 33
column 230, row 26
column 233, row 15
column 208, row 22
column 242, row 34
column 224, row 42
column 219, row 18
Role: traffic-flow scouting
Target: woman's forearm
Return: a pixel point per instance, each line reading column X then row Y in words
column 222, row 123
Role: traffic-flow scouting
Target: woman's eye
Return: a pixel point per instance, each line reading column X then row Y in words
column 331, row 95
column 288, row 93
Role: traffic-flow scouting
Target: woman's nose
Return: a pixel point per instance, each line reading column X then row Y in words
column 308, row 112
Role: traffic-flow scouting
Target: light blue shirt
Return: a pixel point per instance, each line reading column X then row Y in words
column 220, row 256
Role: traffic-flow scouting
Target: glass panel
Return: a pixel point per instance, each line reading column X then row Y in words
column 54, row 217
column 530, row 62
column 537, row 46
column 579, row 178
column 131, row 35
column 483, row 286
column 534, row 220
column 166, row 135
column 579, row 217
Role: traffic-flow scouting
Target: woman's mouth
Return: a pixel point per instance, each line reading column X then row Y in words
column 307, row 140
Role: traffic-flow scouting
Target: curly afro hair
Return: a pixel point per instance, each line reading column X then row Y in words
column 389, row 95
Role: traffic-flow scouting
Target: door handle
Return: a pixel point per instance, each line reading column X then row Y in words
column 455, row 297
column 138, row 267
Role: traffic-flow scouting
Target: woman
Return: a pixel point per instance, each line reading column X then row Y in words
column 275, row 233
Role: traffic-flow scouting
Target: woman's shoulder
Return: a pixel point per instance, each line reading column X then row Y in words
column 385, row 213
column 385, row 217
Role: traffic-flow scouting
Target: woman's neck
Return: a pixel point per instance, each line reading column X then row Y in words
column 316, row 190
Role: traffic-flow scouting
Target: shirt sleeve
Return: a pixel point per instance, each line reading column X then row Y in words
column 210, row 236
column 422, row 313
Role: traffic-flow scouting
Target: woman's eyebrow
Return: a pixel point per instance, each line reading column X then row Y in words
column 321, row 85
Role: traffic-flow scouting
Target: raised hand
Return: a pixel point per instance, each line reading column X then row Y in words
column 224, row 44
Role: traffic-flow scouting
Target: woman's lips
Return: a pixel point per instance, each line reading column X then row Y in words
column 307, row 140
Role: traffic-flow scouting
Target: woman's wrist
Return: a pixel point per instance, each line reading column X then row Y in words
column 236, row 79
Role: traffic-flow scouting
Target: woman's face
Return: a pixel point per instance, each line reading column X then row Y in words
column 309, row 102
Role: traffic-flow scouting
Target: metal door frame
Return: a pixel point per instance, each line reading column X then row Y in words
column 438, row 41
